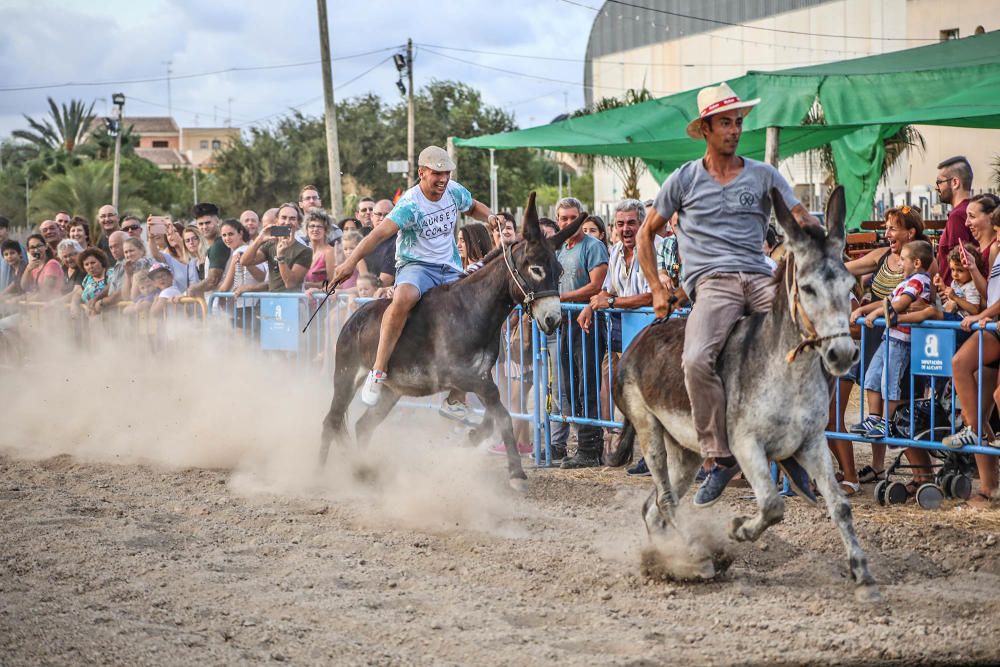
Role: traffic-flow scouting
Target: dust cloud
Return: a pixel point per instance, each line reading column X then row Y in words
column 211, row 399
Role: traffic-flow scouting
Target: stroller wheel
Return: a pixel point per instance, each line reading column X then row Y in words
column 880, row 493
column 945, row 482
column 929, row 496
column 896, row 493
column 961, row 487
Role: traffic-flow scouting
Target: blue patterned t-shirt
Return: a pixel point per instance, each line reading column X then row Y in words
column 427, row 228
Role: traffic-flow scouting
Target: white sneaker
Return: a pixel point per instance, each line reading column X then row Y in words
column 373, row 387
column 457, row 411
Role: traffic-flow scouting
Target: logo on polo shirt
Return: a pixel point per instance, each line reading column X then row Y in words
column 747, row 199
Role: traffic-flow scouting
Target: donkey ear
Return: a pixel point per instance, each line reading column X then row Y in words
column 836, row 211
column 530, row 230
column 555, row 242
column 788, row 223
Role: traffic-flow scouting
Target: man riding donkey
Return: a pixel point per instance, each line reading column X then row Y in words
column 723, row 206
column 426, row 253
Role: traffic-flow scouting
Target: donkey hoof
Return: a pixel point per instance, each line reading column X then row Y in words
column 518, row 484
column 868, row 593
column 737, row 531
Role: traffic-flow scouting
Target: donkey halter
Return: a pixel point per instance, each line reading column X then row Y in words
column 529, row 296
column 810, row 338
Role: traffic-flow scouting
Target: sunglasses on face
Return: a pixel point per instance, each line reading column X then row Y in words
column 365, row 210
column 131, row 228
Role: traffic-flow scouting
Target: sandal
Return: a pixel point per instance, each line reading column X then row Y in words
column 980, row 501
column 868, row 474
column 850, row 488
column 890, row 314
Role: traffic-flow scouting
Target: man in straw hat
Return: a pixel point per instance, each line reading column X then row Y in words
column 426, row 254
column 723, row 204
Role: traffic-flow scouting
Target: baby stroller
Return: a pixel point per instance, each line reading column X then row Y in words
column 953, row 470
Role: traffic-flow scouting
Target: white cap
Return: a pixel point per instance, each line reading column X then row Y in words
column 716, row 99
column 435, row 158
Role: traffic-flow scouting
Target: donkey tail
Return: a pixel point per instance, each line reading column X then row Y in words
column 626, row 444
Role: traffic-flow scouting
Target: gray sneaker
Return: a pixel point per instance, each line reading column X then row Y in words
column 715, row 483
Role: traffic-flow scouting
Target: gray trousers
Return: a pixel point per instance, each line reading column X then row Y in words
column 720, row 300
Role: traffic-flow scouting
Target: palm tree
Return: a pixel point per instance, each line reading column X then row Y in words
column 66, row 128
column 84, row 189
column 896, row 146
column 628, row 168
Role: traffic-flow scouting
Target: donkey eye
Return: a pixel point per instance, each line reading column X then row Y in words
column 809, row 290
column 537, row 272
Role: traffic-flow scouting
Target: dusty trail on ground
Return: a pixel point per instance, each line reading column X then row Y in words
column 166, row 509
column 384, row 562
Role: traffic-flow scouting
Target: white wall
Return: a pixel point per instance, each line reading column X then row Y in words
column 732, row 51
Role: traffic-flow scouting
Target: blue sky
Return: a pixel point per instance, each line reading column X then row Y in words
column 44, row 42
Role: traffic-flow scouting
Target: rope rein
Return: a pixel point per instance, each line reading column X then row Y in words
column 807, row 331
column 529, row 296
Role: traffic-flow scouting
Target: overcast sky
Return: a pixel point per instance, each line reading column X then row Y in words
column 80, row 41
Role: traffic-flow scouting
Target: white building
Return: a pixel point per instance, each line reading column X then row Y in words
column 677, row 45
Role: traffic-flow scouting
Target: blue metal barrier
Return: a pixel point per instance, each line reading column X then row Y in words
column 603, row 318
column 252, row 314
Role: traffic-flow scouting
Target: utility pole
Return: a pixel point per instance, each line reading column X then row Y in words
column 119, row 100
column 332, row 146
column 412, row 178
column 170, row 105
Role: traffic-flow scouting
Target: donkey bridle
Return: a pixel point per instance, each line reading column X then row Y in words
column 807, row 332
column 529, row 296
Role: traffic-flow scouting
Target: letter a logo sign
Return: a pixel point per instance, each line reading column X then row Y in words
column 931, row 346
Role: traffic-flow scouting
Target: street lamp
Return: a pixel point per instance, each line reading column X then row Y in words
column 119, row 102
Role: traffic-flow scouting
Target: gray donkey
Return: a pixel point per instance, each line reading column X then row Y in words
column 776, row 390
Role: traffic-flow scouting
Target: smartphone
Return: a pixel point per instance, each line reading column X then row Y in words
column 280, row 230
column 965, row 255
column 158, row 224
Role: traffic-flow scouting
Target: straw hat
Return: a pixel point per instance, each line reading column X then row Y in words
column 716, row 99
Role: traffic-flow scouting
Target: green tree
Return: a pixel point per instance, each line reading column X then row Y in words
column 270, row 165
column 84, row 189
column 629, row 169
column 64, row 129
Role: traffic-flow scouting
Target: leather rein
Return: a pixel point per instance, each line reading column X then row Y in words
column 530, row 296
column 807, row 331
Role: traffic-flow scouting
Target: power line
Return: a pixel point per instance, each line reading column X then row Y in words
column 508, row 72
column 133, row 98
column 668, row 12
column 175, row 77
column 604, row 61
column 339, row 86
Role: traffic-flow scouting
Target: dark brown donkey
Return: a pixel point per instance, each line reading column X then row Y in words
column 776, row 391
column 452, row 338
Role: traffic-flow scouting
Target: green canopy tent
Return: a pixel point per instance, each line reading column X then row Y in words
column 864, row 100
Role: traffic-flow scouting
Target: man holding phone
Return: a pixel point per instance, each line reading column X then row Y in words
column 287, row 259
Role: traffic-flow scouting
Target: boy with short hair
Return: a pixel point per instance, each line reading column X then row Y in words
column 881, row 383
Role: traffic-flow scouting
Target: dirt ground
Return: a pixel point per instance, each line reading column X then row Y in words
column 430, row 559
column 168, row 509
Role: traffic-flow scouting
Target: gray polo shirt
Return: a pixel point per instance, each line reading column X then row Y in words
column 721, row 227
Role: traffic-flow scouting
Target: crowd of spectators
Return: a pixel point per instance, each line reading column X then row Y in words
column 144, row 265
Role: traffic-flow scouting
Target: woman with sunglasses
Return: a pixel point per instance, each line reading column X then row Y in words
column 43, row 277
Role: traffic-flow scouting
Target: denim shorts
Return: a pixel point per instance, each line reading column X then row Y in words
column 425, row 276
column 899, row 366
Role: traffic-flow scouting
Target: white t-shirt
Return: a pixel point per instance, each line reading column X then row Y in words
column 169, row 293
column 427, row 228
